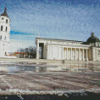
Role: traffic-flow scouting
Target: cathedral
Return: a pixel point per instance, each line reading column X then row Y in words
column 4, row 33
column 60, row 49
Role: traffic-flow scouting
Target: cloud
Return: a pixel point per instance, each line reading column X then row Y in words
column 66, row 19
column 15, row 44
column 21, row 40
column 53, row 17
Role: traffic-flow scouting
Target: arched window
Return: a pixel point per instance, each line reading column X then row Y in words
column 1, row 28
column 6, row 20
column 6, row 29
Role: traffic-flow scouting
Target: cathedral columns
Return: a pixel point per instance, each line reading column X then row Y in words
column 61, row 52
column 79, row 53
column 71, row 53
column 67, row 53
column 83, row 54
column 37, row 50
column 75, row 54
column 86, row 54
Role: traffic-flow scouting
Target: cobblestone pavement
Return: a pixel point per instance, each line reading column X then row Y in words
column 48, row 81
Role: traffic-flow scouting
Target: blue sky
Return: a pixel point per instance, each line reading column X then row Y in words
column 61, row 19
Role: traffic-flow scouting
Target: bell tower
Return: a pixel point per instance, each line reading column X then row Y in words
column 4, row 33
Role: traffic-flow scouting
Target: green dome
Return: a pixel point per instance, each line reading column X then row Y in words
column 92, row 39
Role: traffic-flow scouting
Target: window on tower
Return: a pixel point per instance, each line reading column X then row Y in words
column 1, row 28
column 6, row 20
column 2, row 18
column 6, row 29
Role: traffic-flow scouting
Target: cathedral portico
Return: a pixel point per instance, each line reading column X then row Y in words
column 63, row 49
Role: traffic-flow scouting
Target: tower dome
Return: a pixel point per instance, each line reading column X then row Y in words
column 92, row 39
column 5, row 13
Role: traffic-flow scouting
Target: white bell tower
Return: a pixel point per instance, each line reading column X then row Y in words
column 4, row 33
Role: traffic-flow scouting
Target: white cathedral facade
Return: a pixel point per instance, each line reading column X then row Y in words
column 4, row 33
column 60, row 49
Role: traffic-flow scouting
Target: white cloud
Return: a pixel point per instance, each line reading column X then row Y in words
column 16, row 44
column 54, row 20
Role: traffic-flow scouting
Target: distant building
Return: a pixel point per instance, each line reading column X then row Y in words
column 19, row 54
column 4, row 33
column 60, row 49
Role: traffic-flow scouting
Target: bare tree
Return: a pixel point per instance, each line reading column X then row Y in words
column 21, row 53
column 32, row 52
column 29, row 52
